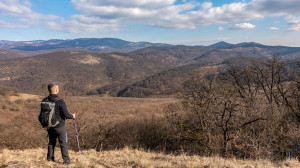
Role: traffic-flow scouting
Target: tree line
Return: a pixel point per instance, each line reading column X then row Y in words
column 248, row 111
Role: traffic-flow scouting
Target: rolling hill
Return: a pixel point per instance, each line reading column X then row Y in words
column 150, row 71
column 77, row 72
column 6, row 54
column 82, row 72
column 11, row 54
column 170, row 81
column 173, row 55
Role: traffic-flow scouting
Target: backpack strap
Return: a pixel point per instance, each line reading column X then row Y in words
column 46, row 100
column 56, row 99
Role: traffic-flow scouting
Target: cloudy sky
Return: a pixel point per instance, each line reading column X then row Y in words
column 189, row 22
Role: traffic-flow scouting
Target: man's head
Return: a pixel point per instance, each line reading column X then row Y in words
column 53, row 88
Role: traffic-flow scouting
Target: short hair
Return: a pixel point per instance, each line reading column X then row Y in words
column 52, row 87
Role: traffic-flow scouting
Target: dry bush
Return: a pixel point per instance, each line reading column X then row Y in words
column 143, row 133
column 246, row 112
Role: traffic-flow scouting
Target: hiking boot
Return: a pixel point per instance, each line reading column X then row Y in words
column 67, row 162
column 50, row 160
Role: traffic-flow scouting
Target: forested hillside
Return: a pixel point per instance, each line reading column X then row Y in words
column 152, row 71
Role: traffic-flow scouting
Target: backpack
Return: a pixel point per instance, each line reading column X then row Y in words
column 47, row 115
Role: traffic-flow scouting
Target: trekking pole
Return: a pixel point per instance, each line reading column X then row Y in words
column 77, row 138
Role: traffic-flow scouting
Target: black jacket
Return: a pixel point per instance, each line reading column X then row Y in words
column 61, row 110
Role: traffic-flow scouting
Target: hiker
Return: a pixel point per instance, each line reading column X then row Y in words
column 58, row 129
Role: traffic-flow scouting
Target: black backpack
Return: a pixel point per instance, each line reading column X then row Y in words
column 47, row 115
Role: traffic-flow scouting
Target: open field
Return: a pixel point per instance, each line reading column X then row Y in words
column 134, row 158
column 20, row 129
column 115, row 108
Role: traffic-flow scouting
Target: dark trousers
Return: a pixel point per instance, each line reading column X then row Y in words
column 61, row 134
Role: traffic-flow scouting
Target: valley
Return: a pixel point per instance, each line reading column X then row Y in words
column 198, row 100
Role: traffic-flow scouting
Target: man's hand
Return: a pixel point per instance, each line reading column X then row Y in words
column 74, row 116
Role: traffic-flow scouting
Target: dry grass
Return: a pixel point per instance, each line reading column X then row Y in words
column 122, row 58
column 118, row 108
column 23, row 97
column 134, row 158
column 89, row 107
column 88, row 59
column 19, row 123
column 5, row 79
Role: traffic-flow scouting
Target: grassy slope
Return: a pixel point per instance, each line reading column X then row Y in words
column 77, row 72
column 19, row 114
column 82, row 72
column 133, row 158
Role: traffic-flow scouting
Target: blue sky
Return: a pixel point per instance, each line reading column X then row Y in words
column 189, row 22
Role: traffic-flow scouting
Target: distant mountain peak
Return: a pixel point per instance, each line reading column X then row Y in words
column 221, row 44
column 248, row 44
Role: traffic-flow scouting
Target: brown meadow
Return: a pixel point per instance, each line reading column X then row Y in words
column 128, row 157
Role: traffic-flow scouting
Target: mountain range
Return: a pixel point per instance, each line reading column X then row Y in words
column 88, row 44
column 96, row 44
column 152, row 69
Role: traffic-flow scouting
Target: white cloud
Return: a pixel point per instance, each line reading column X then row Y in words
column 79, row 24
column 275, row 7
column 294, row 28
column 161, row 13
column 23, row 16
column 81, row 5
column 220, row 28
column 273, row 28
column 4, row 24
column 206, row 5
column 293, row 22
column 82, row 24
column 111, row 15
column 244, row 26
column 164, row 13
column 14, row 8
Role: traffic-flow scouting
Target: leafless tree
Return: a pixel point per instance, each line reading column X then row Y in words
column 241, row 110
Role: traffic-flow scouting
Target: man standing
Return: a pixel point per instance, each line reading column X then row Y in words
column 59, row 130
